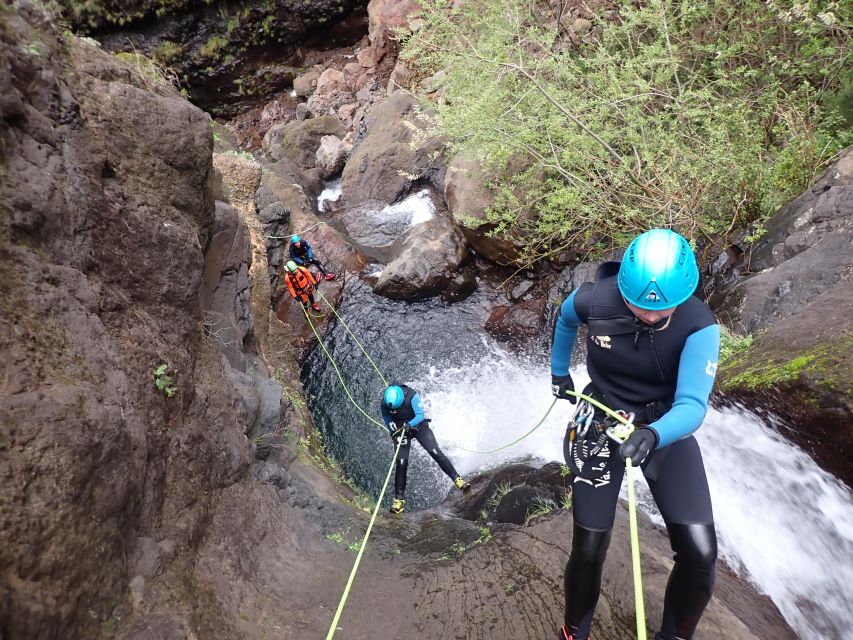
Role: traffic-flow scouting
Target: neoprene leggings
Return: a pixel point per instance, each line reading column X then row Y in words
column 681, row 493
column 425, row 436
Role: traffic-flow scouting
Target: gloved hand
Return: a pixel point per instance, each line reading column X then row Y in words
column 638, row 445
column 408, row 427
column 561, row 384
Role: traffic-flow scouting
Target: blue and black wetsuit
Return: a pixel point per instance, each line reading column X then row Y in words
column 664, row 374
column 412, row 412
column 304, row 255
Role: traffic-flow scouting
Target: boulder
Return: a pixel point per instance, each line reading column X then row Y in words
column 305, row 84
column 394, row 150
column 386, row 15
column 331, row 155
column 518, row 323
column 432, row 252
column 332, row 91
column 298, row 141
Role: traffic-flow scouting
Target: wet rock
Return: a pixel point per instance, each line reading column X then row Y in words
column 520, row 502
column 799, row 295
column 518, row 323
column 463, row 284
column 431, row 253
column 303, row 111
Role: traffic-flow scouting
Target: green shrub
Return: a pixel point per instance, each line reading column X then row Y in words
column 698, row 116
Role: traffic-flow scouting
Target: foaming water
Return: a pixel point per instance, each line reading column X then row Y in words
column 783, row 523
column 330, row 194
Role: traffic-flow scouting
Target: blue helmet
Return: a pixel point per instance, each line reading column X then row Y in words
column 295, row 239
column 658, row 270
column 393, row 398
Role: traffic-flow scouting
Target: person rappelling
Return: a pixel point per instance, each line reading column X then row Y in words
column 403, row 416
column 300, row 283
column 652, row 351
column 302, row 254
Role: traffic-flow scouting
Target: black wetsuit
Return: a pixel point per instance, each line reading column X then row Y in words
column 412, row 412
column 664, row 374
column 304, row 255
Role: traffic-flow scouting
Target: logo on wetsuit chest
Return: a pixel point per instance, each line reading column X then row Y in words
column 601, row 341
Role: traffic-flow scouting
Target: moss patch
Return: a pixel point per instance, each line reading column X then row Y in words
column 825, row 364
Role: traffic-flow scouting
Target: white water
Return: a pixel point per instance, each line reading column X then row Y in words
column 330, row 194
column 782, row 522
column 418, row 207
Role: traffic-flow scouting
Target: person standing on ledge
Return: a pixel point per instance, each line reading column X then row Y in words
column 403, row 416
column 652, row 350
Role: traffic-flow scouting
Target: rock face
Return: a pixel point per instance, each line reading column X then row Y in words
column 798, row 293
column 226, row 53
column 106, row 209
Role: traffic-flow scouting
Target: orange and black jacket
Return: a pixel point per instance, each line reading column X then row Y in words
column 300, row 283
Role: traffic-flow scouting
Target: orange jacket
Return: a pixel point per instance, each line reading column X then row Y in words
column 300, row 283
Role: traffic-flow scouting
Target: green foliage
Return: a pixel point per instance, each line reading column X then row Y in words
column 485, row 535
column 732, row 344
column 697, row 116
column 152, row 74
column 214, row 45
column 163, row 381
column 540, row 507
column 167, row 52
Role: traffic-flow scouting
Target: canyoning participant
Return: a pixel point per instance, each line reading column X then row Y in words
column 302, row 254
column 301, row 284
column 403, row 415
column 652, row 349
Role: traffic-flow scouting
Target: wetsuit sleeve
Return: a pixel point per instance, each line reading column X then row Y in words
column 309, row 275
column 310, row 251
column 697, row 369
column 418, row 409
column 565, row 333
column 386, row 417
column 289, row 283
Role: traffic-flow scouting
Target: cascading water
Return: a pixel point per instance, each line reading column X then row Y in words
column 782, row 522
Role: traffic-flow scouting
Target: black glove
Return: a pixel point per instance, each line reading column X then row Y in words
column 561, row 384
column 638, row 445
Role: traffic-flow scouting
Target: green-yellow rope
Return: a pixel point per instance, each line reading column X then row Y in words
column 635, row 554
column 338, row 372
column 352, row 573
column 354, row 337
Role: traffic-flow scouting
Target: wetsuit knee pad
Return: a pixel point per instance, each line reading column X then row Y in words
column 590, row 545
column 695, row 545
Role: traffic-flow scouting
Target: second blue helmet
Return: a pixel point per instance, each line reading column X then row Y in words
column 393, row 397
column 658, row 270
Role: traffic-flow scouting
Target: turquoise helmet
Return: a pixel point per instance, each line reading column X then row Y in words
column 658, row 270
column 393, row 398
column 290, row 266
column 295, row 239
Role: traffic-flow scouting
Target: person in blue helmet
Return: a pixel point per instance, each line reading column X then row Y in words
column 403, row 416
column 302, row 254
column 652, row 350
